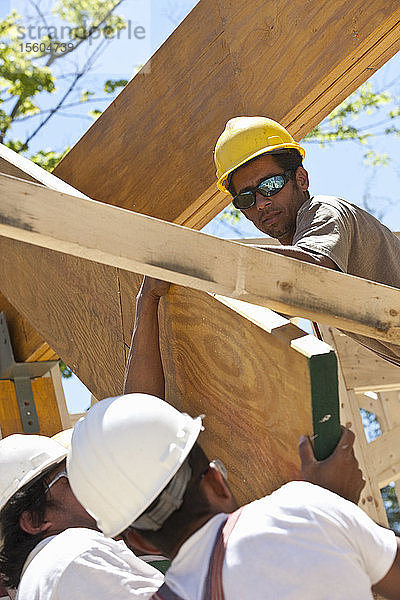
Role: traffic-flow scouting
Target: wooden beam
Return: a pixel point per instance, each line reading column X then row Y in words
column 12, row 163
column 384, row 453
column 363, row 370
column 153, row 145
column 35, row 215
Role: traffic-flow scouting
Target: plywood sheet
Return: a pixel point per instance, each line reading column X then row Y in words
column 293, row 61
column 254, row 389
column 75, row 305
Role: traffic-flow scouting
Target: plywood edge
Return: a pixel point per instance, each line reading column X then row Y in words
column 384, row 453
column 43, row 352
column 322, row 365
column 30, row 171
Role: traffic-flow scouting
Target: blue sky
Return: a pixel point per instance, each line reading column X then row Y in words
column 336, row 170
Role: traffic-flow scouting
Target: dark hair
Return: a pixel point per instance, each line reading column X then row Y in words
column 287, row 159
column 16, row 543
column 195, row 506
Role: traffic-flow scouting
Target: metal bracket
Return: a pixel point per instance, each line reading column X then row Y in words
column 21, row 374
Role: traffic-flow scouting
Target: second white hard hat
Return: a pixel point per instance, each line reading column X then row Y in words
column 123, row 454
column 24, row 457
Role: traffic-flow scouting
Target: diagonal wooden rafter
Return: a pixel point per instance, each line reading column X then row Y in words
column 33, row 214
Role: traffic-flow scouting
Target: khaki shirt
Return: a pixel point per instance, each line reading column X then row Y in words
column 357, row 243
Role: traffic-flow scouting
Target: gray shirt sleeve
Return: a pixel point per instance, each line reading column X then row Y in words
column 324, row 229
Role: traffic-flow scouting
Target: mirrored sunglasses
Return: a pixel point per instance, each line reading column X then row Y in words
column 267, row 187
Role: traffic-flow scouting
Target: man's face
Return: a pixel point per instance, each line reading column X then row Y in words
column 275, row 216
column 63, row 509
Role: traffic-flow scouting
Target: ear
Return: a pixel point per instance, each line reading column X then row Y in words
column 135, row 540
column 216, row 482
column 217, row 491
column 302, row 179
column 26, row 523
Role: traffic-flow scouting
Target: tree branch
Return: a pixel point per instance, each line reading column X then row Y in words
column 54, row 56
column 70, row 105
column 86, row 68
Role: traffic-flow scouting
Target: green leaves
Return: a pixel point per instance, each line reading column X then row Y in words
column 21, row 79
column 65, row 371
column 47, row 159
column 87, row 16
column 340, row 125
column 28, row 53
column 111, row 85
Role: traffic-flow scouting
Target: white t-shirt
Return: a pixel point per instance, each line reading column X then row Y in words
column 300, row 543
column 82, row 564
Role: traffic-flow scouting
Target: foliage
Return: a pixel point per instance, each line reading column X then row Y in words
column 392, row 507
column 33, row 58
column 353, row 120
column 47, row 159
column 65, row 371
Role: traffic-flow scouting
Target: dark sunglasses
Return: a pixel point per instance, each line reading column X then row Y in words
column 267, row 187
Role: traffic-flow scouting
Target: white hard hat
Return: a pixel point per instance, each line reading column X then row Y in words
column 24, row 457
column 123, row 454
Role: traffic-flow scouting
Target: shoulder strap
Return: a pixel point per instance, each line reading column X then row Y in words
column 213, row 588
column 165, row 593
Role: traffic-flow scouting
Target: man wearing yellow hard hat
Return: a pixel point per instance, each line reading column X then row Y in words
column 260, row 165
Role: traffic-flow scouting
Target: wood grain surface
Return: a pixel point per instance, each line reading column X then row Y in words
column 363, row 370
column 75, row 305
column 252, row 387
column 34, row 214
column 293, row 61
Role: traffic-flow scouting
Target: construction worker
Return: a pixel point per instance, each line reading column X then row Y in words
column 260, row 165
column 51, row 547
column 136, row 465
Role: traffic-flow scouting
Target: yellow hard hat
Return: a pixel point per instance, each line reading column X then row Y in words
column 245, row 138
